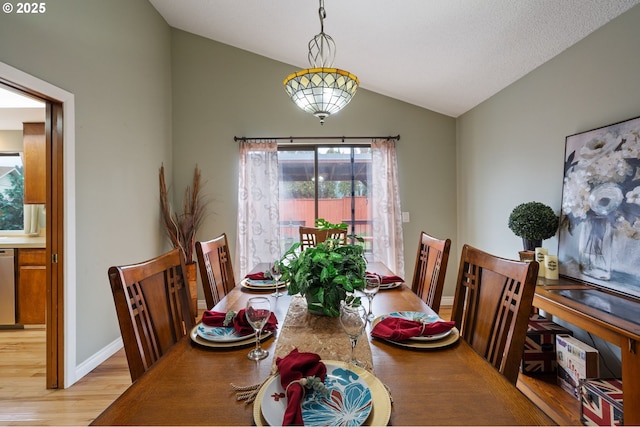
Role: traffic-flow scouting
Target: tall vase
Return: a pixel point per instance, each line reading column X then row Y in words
column 193, row 287
column 595, row 247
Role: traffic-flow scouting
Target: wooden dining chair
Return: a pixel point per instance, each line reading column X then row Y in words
column 491, row 306
column 216, row 269
column 430, row 269
column 153, row 306
column 311, row 236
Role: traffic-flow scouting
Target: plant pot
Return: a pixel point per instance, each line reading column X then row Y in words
column 531, row 245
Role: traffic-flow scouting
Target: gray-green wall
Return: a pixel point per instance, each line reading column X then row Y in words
column 114, row 56
column 511, row 147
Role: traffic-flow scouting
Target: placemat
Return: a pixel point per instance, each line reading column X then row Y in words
column 322, row 335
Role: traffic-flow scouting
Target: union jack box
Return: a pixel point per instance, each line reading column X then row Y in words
column 576, row 361
column 601, row 402
column 540, row 345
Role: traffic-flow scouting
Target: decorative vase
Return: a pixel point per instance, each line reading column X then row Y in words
column 193, row 286
column 531, row 244
column 595, row 248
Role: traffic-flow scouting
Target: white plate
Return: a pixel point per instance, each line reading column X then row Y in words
column 248, row 339
column 262, row 284
column 219, row 333
column 385, row 286
column 419, row 316
column 349, row 403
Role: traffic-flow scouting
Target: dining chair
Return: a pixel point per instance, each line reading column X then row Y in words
column 491, row 306
column 311, row 236
column 430, row 269
column 216, row 269
column 153, row 306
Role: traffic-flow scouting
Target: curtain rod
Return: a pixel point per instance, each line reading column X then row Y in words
column 292, row 138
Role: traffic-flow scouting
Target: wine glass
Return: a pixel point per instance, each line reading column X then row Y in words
column 371, row 288
column 353, row 320
column 257, row 313
column 275, row 269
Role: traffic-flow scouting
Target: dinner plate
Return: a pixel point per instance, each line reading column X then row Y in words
column 249, row 339
column 262, row 284
column 419, row 316
column 385, row 286
column 380, row 406
column 220, row 333
column 451, row 338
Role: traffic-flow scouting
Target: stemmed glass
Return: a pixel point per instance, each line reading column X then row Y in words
column 276, row 273
column 371, row 288
column 257, row 313
column 353, row 320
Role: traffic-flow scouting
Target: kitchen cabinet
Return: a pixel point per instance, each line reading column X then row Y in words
column 35, row 165
column 31, row 286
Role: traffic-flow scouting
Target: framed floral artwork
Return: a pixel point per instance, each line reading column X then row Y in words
column 599, row 236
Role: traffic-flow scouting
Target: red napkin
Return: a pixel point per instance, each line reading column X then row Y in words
column 240, row 324
column 385, row 280
column 257, row 276
column 399, row 329
column 292, row 367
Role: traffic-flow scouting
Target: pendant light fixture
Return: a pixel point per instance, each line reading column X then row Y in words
column 321, row 90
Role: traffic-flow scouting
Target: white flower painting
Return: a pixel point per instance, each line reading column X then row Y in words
column 599, row 240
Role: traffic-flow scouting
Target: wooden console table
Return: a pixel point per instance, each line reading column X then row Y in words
column 605, row 315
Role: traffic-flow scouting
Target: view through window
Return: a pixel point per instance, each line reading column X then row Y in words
column 329, row 182
column 11, row 192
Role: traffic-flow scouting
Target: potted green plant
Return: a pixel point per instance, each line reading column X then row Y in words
column 327, row 273
column 534, row 222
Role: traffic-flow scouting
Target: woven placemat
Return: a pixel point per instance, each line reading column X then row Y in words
column 322, row 335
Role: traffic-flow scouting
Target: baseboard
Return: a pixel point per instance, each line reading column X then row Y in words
column 446, row 301
column 96, row 359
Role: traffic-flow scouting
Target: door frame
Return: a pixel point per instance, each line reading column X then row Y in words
column 61, row 274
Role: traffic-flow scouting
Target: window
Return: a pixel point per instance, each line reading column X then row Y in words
column 11, row 192
column 329, row 182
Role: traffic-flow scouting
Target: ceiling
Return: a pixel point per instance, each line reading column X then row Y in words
column 444, row 55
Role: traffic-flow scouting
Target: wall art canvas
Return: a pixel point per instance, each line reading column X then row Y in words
column 599, row 236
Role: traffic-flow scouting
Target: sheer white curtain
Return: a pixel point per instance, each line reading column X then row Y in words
column 386, row 213
column 258, row 234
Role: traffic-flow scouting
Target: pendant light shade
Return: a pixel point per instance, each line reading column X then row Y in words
column 321, row 90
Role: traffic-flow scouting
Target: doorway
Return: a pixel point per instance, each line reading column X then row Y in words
column 54, row 255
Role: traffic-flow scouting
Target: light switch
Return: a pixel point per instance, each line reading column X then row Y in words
column 406, row 217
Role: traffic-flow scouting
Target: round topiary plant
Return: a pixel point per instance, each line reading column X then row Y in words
column 534, row 222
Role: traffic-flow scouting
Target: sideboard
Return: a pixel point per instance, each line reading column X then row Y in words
column 612, row 317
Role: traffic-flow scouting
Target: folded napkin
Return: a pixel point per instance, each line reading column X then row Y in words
column 293, row 367
column 400, row 329
column 257, row 276
column 385, row 280
column 239, row 323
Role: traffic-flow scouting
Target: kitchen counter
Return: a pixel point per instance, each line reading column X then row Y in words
column 8, row 242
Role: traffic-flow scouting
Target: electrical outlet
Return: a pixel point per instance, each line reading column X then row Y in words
column 406, row 217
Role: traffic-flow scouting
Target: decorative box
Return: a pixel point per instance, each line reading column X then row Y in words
column 601, row 402
column 540, row 345
column 576, row 361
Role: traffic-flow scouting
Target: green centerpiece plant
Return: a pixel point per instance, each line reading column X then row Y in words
column 534, row 222
column 326, row 274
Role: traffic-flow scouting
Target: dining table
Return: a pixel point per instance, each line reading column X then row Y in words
column 440, row 385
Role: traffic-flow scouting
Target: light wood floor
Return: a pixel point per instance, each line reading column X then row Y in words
column 24, row 400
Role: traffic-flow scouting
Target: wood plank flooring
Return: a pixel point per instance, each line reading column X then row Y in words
column 24, row 400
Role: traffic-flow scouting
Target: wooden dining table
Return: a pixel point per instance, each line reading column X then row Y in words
column 453, row 385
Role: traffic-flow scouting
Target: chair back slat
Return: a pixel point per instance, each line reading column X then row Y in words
column 430, row 269
column 491, row 307
column 152, row 304
column 216, row 269
column 311, row 236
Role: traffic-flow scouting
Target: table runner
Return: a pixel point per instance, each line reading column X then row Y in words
column 322, row 335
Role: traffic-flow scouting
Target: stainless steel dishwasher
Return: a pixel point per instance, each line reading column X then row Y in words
column 7, row 288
